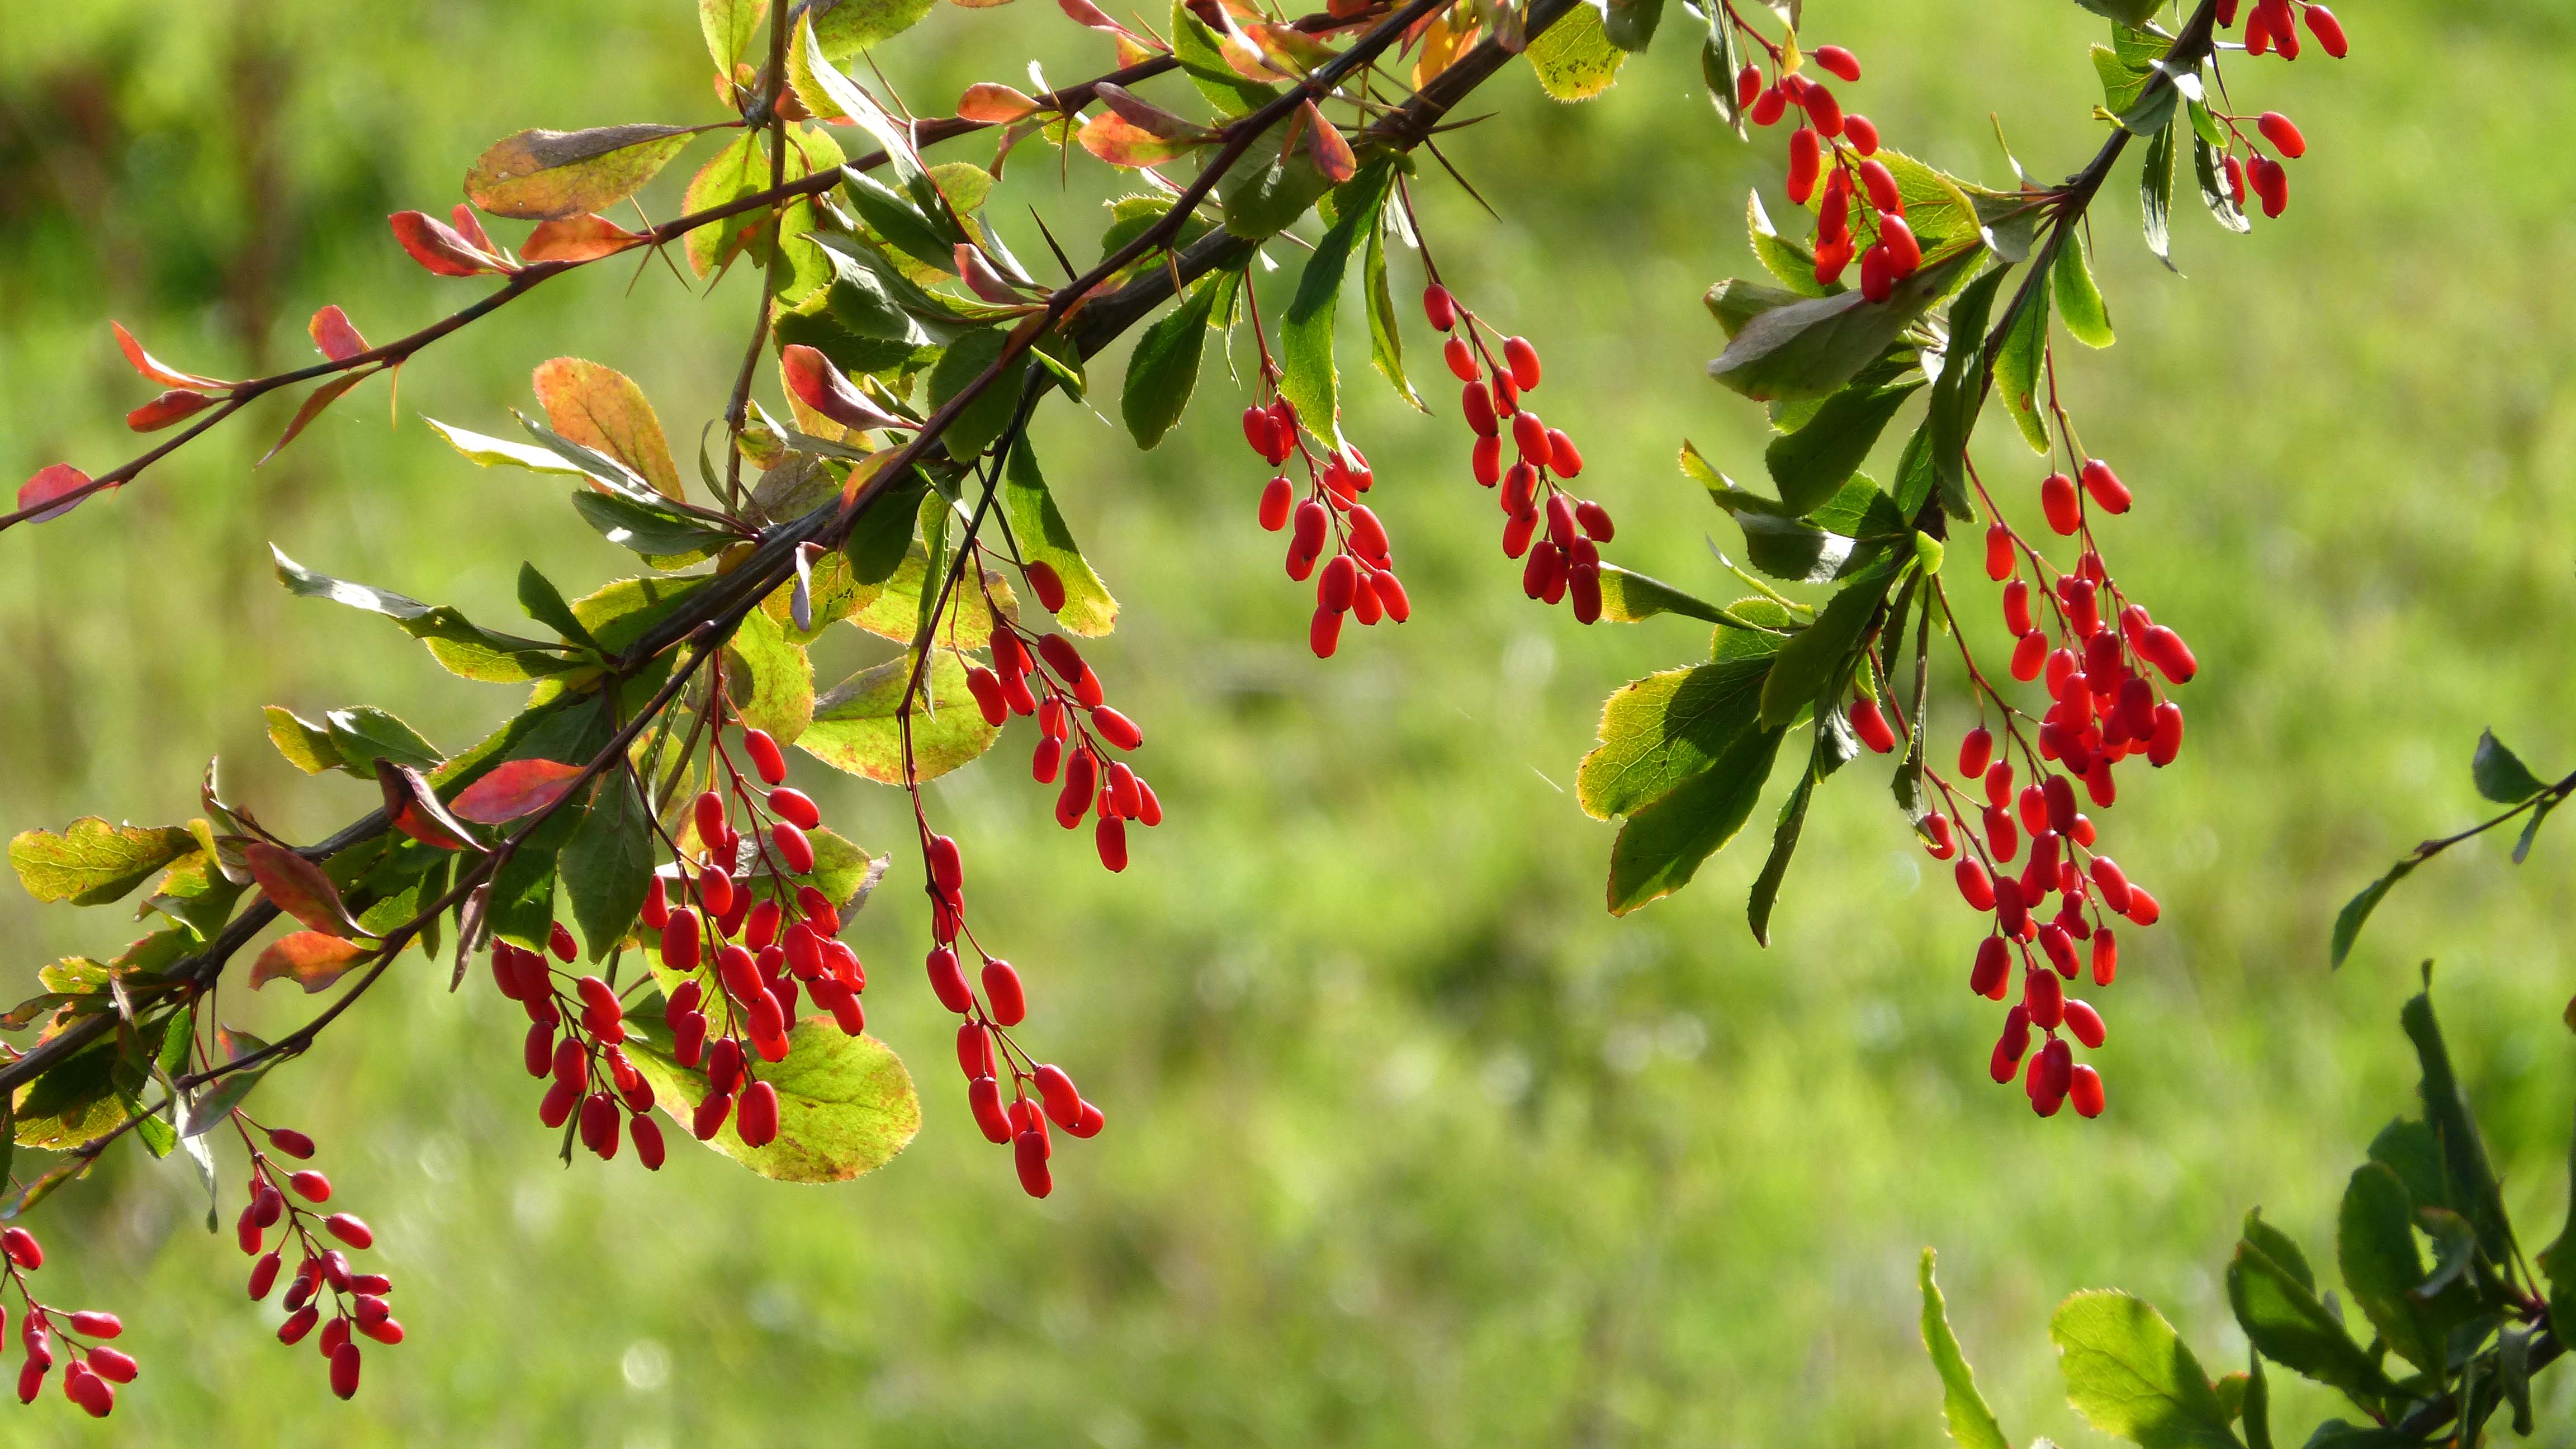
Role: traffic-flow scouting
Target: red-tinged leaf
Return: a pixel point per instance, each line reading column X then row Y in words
column 320, row 398
column 602, row 409
column 469, row 226
column 1145, row 116
column 995, row 105
column 159, row 371
column 977, row 4
column 415, row 810
column 60, row 480
column 558, row 175
column 520, row 787
column 820, row 386
column 582, row 239
column 166, row 409
column 298, row 887
column 332, row 333
column 1287, row 47
column 1332, row 154
column 1092, row 17
column 1120, row 142
column 980, row 275
column 310, row 959
column 439, row 248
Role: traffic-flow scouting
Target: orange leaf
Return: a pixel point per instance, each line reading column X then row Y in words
column 438, row 247
column 1333, row 158
column 582, row 239
column 521, row 787
column 820, row 386
column 322, row 397
column 602, row 409
column 166, row 409
column 159, row 371
column 298, row 887
column 49, row 484
column 462, row 217
column 310, row 959
column 994, row 104
column 332, row 333
column 1120, row 142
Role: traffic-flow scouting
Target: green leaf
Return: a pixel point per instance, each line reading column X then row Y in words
column 846, row 1105
column 2499, row 774
column 1660, row 731
column 2469, row 1175
column 2531, row 829
column 2018, row 366
column 1164, row 368
column 664, row 536
column 2375, row 1245
column 2215, row 194
column 1262, row 201
column 521, row 909
column 1775, row 870
column 1628, row 598
column 989, row 414
column 2348, row 921
column 2408, row 1148
column 1719, row 61
column 2079, row 301
column 1820, row 657
column 492, row 452
column 1809, row 347
column 2278, row 1246
column 540, row 600
column 306, row 745
column 1661, row 847
column 1039, row 527
column 894, row 610
column 607, row 866
column 882, row 536
column 92, row 862
column 843, row 28
column 902, row 225
column 365, row 734
column 730, row 26
column 2155, row 195
column 2258, row 1405
column 770, row 680
column 1574, row 58
column 1631, row 23
column 1972, row 1424
column 2558, row 1260
column 2129, row 1374
column 2279, row 1310
column 1952, row 418
column 856, row 725
column 1811, row 465
column 1386, row 337
column 1202, row 57
column 1790, row 260
column 731, row 174
column 1306, row 337
column 75, row 1100
column 557, row 175
column 456, row 643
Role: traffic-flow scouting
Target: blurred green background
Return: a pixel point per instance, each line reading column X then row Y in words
column 1410, row 1143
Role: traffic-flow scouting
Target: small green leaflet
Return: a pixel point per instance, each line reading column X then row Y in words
column 2018, row 367
column 1039, row 527
column 2079, row 301
column 1386, row 339
column 1163, row 369
column 1306, row 337
column 1972, row 1424
column 2155, row 196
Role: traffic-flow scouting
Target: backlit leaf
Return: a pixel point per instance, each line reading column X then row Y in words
column 299, row 887
column 1039, row 525
column 1972, row 1424
column 601, row 408
column 1164, row 367
column 514, row 789
column 92, row 862
column 557, row 175
column 2129, row 1374
column 1574, row 57
column 846, row 1105
column 1310, row 382
column 857, row 725
column 310, row 959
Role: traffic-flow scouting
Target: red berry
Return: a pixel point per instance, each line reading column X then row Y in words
column 1837, row 60
column 89, row 1324
column 2106, row 957
column 1439, row 307
column 2283, row 135
column 796, row 807
column 947, row 981
column 311, row 1186
column 2328, row 31
column 1768, row 107
column 795, row 850
column 1461, row 359
column 1872, row 726
column 766, row 758
column 1046, row 584
column 1324, row 635
column 1994, row 963
column 657, row 906
column 1877, row 276
column 1823, row 111
column 1880, row 183
column 1861, row 134
column 757, row 1122
column 1748, row 85
column 2105, row 486
column 1029, row 1154
column 350, row 1230
column 2165, row 650
column 2084, row 1090
column 2085, row 1023
column 2045, row 995
column 1806, row 156
column 291, row 1142
column 2057, row 499
column 1904, row 253
column 1975, row 886
column 344, row 1369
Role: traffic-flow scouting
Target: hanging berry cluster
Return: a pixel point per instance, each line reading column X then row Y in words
column 323, row 1277
column 1359, row 580
column 94, row 1370
column 1862, row 213
column 730, row 905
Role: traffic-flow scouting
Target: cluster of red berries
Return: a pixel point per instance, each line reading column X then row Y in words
column 2274, row 26
column 91, row 1377
column 357, row 1300
column 1564, row 564
column 1861, row 213
column 1046, row 676
column 593, row 1022
column 761, row 953
column 1359, row 580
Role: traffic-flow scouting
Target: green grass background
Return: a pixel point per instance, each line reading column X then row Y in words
column 1410, row 1143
